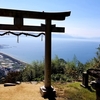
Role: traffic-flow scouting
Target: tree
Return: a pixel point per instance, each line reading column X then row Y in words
column 80, row 69
column 58, row 66
column 39, row 69
column 97, row 58
column 12, row 77
column 71, row 70
column 28, row 73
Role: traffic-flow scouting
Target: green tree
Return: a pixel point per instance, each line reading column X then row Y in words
column 28, row 73
column 97, row 58
column 58, row 66
column 71, row 70
column 74, row 69
column 39, row 69
column 89, row 64
column 80, row 69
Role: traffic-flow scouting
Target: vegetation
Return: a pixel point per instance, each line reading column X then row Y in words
column 73, row 91
column 61, row 71
column 97, row 58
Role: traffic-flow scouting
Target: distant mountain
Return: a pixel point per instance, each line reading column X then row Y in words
column 61, row 35
column 65, row 35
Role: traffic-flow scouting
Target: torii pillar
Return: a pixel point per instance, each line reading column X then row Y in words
column 47, row 90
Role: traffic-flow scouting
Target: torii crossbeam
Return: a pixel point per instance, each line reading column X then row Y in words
column 46, row 91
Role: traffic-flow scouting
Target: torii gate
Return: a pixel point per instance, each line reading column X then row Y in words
column 18, row 16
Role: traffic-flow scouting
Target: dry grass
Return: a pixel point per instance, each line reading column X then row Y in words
column 24, row 91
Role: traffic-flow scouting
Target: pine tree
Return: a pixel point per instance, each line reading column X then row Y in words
column 97, row 58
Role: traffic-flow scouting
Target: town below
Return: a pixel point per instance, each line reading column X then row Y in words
column 9, row 64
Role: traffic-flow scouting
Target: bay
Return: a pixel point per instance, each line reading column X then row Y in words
column 32, row 49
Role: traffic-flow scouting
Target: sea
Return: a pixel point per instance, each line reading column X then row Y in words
column 29, row 49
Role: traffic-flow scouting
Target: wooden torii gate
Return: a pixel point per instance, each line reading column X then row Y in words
column 18, row 25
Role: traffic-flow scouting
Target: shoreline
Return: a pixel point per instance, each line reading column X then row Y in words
column 9, row 56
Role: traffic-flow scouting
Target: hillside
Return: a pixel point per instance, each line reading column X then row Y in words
column 28, row 91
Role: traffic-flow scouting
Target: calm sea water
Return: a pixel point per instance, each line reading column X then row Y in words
column 29, row 48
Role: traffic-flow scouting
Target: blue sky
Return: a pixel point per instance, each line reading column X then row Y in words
column 83, row 22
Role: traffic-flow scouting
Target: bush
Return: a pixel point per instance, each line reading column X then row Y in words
column 12, row 77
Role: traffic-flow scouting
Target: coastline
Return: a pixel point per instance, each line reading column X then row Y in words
column 15, row 59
